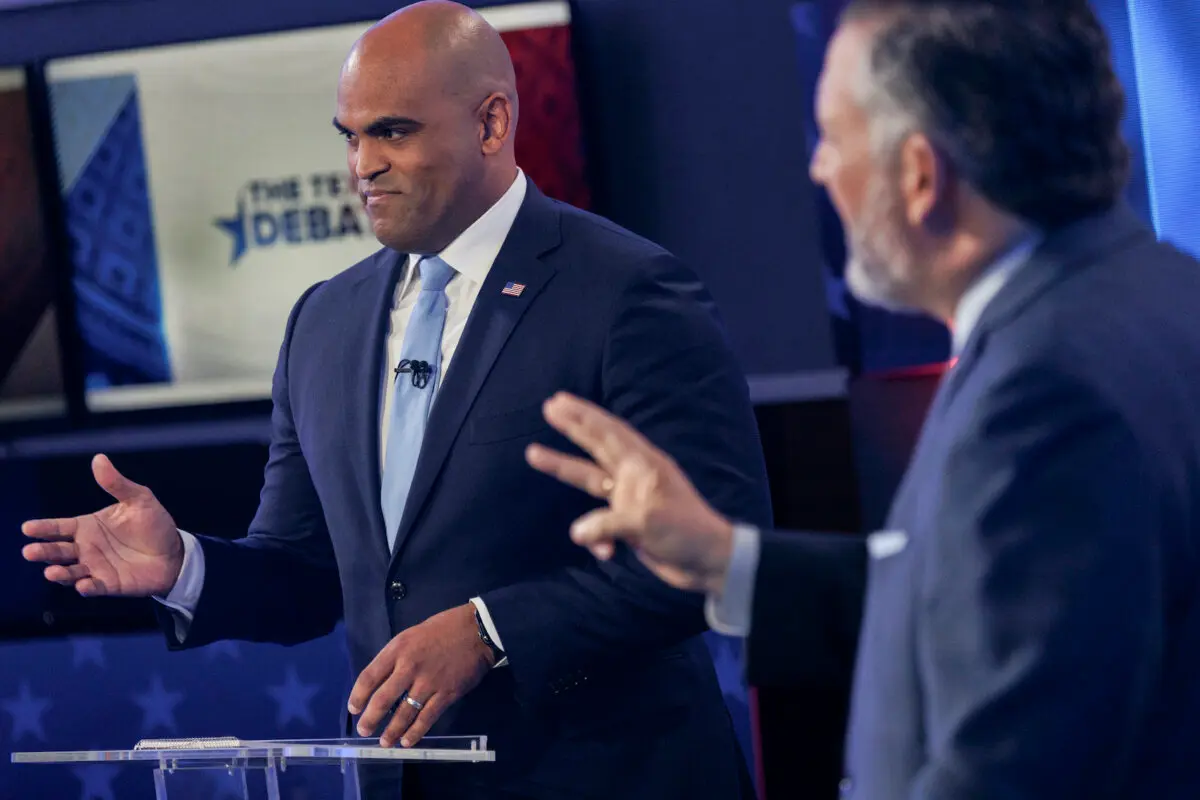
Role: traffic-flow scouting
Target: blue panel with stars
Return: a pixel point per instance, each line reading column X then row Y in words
column 89, row 693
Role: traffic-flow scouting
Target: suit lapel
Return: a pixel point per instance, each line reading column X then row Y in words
column 1060, row 254
column 488, row 328
column 366, row 347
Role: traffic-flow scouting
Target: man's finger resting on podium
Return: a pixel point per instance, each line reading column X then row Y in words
column 417, row 675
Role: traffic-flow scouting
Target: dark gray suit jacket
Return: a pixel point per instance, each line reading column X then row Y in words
column 1035, row 630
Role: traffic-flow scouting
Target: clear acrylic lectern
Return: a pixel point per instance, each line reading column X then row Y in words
column 168, row 756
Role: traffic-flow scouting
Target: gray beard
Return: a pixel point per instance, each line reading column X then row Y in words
column 874, row 287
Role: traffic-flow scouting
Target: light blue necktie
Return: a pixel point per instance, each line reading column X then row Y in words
column 414, row 392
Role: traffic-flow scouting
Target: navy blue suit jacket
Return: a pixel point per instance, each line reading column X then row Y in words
column 610, row 691
column 1039, row 634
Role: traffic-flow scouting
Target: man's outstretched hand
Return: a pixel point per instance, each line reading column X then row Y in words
column 652, row 505
column 129, row 549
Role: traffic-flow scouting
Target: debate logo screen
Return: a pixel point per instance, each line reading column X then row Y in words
column 206, row 191
column 291, row 211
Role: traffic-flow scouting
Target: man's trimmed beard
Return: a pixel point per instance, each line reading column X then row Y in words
column 879, row 266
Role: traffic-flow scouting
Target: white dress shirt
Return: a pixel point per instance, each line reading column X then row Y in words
column 471, row 256
column 730, row 612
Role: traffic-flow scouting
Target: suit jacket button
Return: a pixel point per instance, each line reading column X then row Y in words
column 397, row 590
column 845, row 787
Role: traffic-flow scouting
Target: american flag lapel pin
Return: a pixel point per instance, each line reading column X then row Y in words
column 513, row 289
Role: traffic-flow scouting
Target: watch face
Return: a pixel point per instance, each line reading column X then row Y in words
column 483, row 634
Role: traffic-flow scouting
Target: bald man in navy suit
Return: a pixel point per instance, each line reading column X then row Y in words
column 396, row 495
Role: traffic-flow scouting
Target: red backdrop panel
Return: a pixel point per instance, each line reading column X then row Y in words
column 26, row 288
column 549, row 136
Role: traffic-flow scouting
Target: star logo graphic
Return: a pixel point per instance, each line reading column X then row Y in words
column 293, row 698
column 87, row 650
column 26, row 711
column 222, row 647
column 97, row 781
column 158, row 706
column 235, row 226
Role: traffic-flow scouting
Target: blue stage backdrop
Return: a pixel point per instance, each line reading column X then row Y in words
column 91, row 693
column 94, row 693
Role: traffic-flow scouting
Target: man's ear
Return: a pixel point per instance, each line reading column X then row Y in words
column 496, row 122
column 926, row 183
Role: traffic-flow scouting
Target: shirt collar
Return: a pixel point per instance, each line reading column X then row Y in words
column 475, row 249
column 986, row 286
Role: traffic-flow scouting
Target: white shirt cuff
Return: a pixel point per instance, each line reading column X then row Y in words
column 490, row 626
column 185, row 594
column 729, row 612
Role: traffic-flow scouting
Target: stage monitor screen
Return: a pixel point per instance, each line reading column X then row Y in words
column 31, row 380
column 205, row 189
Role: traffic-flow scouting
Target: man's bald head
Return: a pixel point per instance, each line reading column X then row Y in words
column 454, row 43
column 427, row 101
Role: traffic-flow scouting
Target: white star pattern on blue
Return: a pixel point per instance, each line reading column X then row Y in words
column 97, row 781
column 222, row 647
column 26, row 710
column 158, row 706
column 184, row 694
column 87, row 650
column 293, row 698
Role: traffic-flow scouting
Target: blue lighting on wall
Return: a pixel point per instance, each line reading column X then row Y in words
column 1156, row 57
column 1165, row 35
